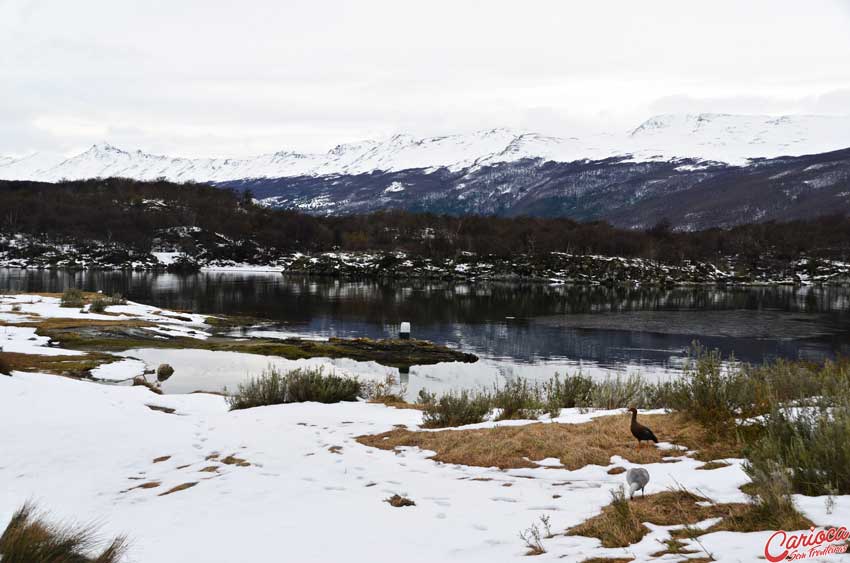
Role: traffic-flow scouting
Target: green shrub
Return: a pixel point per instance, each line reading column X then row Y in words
column 574, row 391
column 29, row 538
column 454, row 408
column 98, row 306
column 711, row 393
column 313, row 385
column 72, row 297
column 296, row 386
column 518, row 399
column 387, row 391
column 623, row 392
column 812, row 441
column 771, row 505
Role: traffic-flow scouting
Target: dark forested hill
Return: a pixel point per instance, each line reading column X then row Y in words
column 691, row 194
column 145, row 215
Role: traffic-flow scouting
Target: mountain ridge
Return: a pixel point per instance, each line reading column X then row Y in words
column 727, row 138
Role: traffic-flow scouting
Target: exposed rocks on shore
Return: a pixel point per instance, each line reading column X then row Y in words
column 555, row 267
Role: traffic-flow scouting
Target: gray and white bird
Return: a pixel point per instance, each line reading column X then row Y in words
column 637, row 478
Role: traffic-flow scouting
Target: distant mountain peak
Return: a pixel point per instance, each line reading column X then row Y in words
column 719, row 137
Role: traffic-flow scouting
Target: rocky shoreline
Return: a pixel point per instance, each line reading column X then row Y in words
column 556, row 267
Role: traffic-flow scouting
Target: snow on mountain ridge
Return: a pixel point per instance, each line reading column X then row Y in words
column 713, row 137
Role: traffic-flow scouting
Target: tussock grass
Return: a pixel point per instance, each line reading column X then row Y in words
column 575, row 445
column 72, row 297
column 5, row 366
column 296, row 386
column 100, row 303
column 621, row 523
column 30, row 538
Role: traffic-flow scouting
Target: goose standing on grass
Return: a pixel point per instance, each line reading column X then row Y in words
column 640, row 431
column 637, row 478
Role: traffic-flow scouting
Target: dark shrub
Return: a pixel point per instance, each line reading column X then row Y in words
column 98, row 306
column 72, row 297
column 296, row 386
column 454, row 408
column 574, row 391
column 812, row 442
column 518, row 399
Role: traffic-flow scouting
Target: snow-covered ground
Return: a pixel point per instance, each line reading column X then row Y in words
column 79, row 448
column 308, row 492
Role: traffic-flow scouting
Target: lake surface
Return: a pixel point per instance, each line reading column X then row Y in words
column 529, row 330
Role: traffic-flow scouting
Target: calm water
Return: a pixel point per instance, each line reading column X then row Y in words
column 511, row 325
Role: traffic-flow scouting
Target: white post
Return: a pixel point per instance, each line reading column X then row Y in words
column 404, row 331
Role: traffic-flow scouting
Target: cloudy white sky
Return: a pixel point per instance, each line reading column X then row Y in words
column 224, row 78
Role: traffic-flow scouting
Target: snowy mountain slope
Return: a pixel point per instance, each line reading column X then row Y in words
column 735, row 138
column 731, row 139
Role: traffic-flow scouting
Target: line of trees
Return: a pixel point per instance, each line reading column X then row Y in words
column 132, row 212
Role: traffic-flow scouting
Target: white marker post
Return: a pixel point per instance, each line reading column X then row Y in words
column 404, row 331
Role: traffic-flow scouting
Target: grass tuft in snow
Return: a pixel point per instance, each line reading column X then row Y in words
column 532, row 537
column 399, row 501
column 72, row 297
column 296, row 386
column 5, row 366
column 620, row 524
column 29, row 537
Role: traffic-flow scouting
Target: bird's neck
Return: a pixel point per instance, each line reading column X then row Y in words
column 634, row 416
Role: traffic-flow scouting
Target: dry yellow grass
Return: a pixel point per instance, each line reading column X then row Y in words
column 397, row 403
column 178, row 488
column 622, row 524
column 576, row 445
column 713, row 465
column 399, row 501
column 58, row 323
column 75, row 366
column 233, row 460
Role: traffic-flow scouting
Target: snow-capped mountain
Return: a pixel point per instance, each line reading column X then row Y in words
column 731, row 139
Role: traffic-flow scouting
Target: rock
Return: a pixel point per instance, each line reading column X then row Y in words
column 163, row 372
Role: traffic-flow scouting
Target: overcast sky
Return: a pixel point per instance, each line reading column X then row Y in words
column 225, row 78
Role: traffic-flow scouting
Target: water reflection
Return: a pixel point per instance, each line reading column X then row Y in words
column 494, row 320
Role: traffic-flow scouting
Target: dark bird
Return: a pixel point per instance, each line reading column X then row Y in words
column 640, row 431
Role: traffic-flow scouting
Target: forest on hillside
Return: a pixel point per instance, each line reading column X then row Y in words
column 133, row 213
